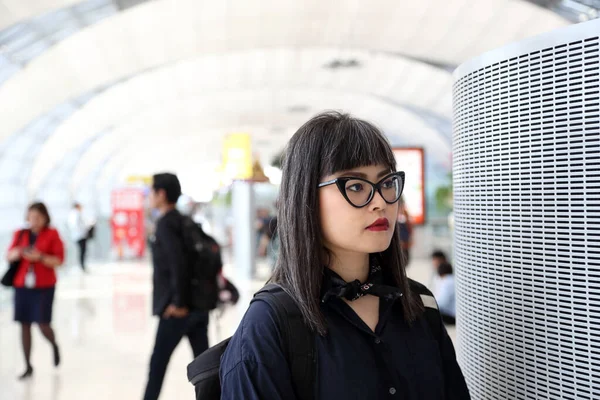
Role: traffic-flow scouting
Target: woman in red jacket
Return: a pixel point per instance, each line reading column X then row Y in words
column 40, row 251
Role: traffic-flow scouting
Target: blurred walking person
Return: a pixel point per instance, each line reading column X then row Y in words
column 172, row 298
column 269, row 242
column 38, row 251
column 79, row 231
column 405, row 230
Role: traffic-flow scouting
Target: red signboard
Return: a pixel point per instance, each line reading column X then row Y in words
column 412, row 162
column 128, row 233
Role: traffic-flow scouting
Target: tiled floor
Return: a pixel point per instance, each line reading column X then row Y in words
column 104, row 326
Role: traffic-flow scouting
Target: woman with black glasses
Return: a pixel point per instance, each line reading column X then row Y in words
column 372, row 332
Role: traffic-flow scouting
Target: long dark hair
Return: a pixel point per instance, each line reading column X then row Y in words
column 42, row 209
column 328, row 143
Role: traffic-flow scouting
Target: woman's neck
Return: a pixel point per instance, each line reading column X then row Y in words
column 36, row 230
column 350, row 266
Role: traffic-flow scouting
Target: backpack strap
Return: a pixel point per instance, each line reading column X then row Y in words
column 298, row 340
column 432, row 311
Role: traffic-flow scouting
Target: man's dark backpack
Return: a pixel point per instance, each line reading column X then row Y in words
column 204, row 266
column 297, row 342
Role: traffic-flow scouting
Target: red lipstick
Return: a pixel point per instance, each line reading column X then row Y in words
column 382, row 224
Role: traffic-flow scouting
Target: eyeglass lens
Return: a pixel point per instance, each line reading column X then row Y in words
column 359, row 192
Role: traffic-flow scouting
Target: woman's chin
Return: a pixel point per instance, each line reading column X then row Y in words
column 374, row 247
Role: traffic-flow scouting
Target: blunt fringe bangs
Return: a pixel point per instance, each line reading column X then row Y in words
column 353, row 143
column 328, row 143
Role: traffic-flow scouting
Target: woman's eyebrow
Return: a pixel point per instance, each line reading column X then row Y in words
column 363, row 175
column 384, row 173
column 353, row 174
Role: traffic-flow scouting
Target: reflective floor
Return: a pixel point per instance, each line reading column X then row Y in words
column 106, row 332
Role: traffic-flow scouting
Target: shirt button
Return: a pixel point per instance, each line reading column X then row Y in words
column 392, row 390
column 377, row 341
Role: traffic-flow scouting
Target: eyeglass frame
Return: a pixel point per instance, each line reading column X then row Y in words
column 341, row 185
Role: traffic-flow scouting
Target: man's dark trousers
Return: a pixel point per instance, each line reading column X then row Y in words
column 82, row 252
column 169, row 334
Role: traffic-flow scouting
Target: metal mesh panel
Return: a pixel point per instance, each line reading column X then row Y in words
column 527, row 212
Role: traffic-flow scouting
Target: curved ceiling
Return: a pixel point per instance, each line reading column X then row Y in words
column 266, row 94
column 28, row 39
column 15, row 11
column 199, row 69
column 254, row 113
column 161, row 32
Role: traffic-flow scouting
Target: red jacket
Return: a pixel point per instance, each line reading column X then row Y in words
column 48, row 243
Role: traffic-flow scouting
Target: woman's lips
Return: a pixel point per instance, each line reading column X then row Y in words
column 382, row 224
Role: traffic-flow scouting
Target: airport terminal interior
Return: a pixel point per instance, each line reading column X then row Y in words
column 491, row 109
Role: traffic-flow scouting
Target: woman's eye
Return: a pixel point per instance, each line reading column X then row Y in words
column 389, row 184
column 356, row 187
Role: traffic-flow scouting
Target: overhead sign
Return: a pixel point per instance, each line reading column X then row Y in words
column 412, row 162
column 237, row 156
column 139, row 180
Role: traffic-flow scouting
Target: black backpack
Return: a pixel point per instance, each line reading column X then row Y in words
column 298, row 344
column 297, row 341
column 204, row 266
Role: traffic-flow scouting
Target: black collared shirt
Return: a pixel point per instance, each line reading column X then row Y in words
column 397, row 361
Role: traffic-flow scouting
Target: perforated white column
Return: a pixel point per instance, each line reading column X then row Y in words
column 527, row 207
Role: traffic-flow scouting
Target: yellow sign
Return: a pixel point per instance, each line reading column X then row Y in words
column 237, row 156
column 139, row 179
